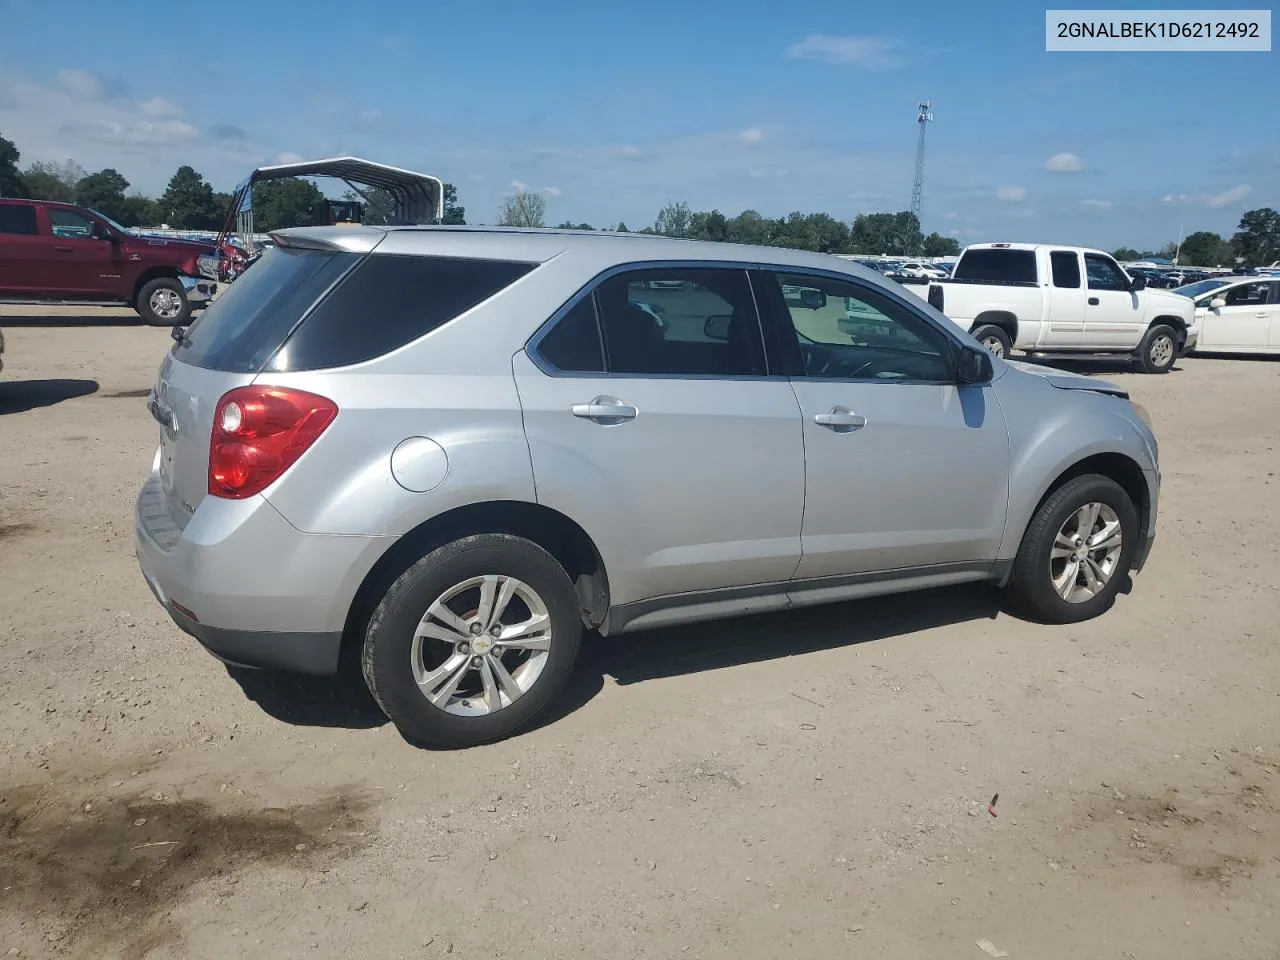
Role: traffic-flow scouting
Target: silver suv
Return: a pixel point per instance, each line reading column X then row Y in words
column 459, row 448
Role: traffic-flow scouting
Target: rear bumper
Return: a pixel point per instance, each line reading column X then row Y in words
column 251, row 588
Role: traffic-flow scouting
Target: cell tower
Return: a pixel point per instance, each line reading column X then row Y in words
column 923, row 118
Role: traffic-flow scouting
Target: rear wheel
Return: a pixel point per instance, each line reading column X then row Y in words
column 1158, row 350
column 1076, row 551
column 162, row 302
column 473, row 641
column 994, row 339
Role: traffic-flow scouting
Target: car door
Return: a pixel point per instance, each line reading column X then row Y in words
column 905, row 469
column 1066, row 300
column 22, row 252
column 653, row 422
column 1243, row 322
column 1113, row 313
column 82, row 263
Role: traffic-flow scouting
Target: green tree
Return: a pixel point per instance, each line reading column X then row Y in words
column 11, row 183
column 454, row 215
column 894, row 234
column 140, row 211
column 819, row 232
column 674, row 220
column 621, row 228
column 709, row 225
column 749, row 227
column 103, row 191
column 523, row 209
column 1204, row 248
column 1258, row 241
column 291, row 202
column 188, row 202
column 570, row 225
column 1126, row 253
column 936, row 245
column 53, row 181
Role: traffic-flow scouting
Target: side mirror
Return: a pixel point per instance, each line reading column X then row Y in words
column 1138, row 282
column 1217, row 303
column 974, row 365
column 812, row 299
column 717, row 327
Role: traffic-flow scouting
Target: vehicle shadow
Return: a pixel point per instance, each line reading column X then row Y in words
column 78, row 320
column 344, row 701
column 19, row 396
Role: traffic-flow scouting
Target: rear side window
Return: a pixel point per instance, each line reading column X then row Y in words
column 388, row 301
column 573, row 344
column 18, row 218
column 997, row 266
column 1066, row 269
column 241, row 329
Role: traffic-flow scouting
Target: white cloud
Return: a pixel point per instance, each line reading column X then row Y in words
column 1096, row 204
column 1011, row 194
column 159, row 107
column 751, row 136
column 1064, row 163
column 369, row 117
column 955, row 233
column 627, row 150
column 1214, row 200
column 551, row 191
column 952, row 215
column 150, row 132
column 81, row 85
column 520, row 185
column 288, row 157
column 1019, row 213
column 870, row 53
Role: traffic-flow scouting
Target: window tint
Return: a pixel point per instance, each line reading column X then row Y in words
column 18, row 218
column 1103, row 273
column 386, row 302
column 850, row 332
column 997, row 266
column 69, row 224
column 687, row 322
column 573, row 344
column 251, row 319
column 1066, row 268
column 1247, row 295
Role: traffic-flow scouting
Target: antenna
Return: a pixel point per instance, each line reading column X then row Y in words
column 923, row 118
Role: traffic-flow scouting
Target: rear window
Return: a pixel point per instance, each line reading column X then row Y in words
column 997, row 266
column 18, row 218
column 388, row 301
column 241, row 329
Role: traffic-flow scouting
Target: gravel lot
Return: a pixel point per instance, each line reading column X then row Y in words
column 801, row 785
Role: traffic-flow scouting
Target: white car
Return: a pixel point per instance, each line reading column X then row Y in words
column 1237, row 314
column 913, row 268
column 1046, row 299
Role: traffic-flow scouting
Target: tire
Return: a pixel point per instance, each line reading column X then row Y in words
column 1032, row 583
column 994, row 338
column 393, row 661
column 1158, row 350
column 155, row 300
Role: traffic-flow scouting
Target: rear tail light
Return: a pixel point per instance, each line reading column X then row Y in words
column 258, row 433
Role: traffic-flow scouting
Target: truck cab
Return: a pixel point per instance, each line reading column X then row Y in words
column 62, row 253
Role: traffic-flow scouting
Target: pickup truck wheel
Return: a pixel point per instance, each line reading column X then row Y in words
column 472, row 641
column 1158, row 350
column 994, row 339
column 1076, row 552
column 162, row 302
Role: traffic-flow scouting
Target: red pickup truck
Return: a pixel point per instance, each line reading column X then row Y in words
column 61, row 253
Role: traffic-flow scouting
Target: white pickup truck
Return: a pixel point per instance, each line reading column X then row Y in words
column 1057, row 300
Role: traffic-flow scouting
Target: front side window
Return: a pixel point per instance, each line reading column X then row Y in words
column 1248, row 295
column 1066, row 269
column 680, row 322
column 18, row 218
column 1103, row 273
column 70, row 225
column 850, row 332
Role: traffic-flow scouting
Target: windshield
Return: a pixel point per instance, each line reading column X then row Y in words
column 103, row 216
column 1194, row 290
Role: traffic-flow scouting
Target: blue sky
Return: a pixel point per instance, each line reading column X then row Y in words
column 613, row 109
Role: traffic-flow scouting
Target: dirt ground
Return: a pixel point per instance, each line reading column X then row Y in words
column 804, row 785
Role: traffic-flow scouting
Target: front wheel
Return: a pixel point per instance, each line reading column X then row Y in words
column 1076, row 552
column 163, row 302
column 994, row 339
column 473, row 641
column 1158, row 350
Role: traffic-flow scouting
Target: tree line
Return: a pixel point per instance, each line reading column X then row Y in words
column 189, row 202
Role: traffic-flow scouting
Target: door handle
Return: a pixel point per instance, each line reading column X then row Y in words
column 65, row 249
column 604, row 410
column 840, row 418
column 1093, row 301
